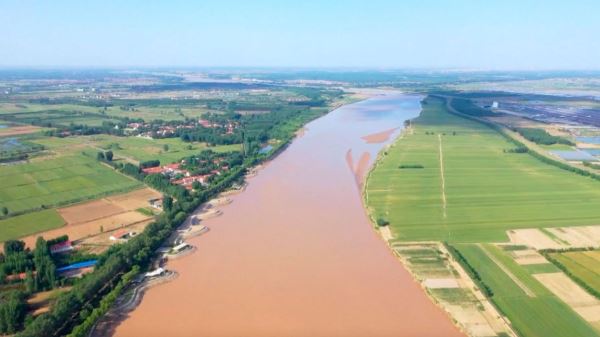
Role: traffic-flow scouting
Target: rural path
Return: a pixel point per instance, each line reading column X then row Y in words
column 442, row 176
column 515, row 279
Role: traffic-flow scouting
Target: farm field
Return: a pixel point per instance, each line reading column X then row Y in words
column 533, row 310
column 146, row 112
column 30, row 223
column 82, row 220
column 142, row 149
column 583, row 265
column 135, row 148
column 56, row 116
column 57, row 181
column 483, row 191
column 96, row 220
column 443, row 279
column 14, row 130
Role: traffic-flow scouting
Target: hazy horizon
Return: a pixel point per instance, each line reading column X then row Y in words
column 379, row 35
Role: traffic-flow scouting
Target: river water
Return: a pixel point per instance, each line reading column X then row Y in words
column 295, row 254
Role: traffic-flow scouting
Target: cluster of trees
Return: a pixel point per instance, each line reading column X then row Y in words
column 38, row 265
column 411, row 166
column 208, row 160
column 45, row 276
column 211, row 136
column 540, row 136
column 105, row 156
column 125, row 168
column 163, row 184
column 518, row 149
column 40, row 272
column 381, row 222
column 150, row 163
column 72, row 129
column 13, row 309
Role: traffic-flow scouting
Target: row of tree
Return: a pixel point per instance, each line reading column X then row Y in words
column 540, row 136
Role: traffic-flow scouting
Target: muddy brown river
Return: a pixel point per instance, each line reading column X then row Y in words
column 295, row 254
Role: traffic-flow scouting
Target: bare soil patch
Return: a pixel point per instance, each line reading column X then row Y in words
column 441, row 283
column 587, row 236
column 19, row 130
column 135, row 199
column 98, row 217
column 528, row 256
column 568, row 291
column 533, row 237
column 89, row 211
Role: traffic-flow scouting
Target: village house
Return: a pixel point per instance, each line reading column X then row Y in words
column 155, row 203
column 187, row 182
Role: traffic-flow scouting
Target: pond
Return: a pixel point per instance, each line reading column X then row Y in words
column 574, row 155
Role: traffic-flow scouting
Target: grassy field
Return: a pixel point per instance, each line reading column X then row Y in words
column 135, row 148
column 30, row 223
column 584, row 266
column 142, row 149
column 146, row 112
column 487, row 191
column 533, row 310
column 58, row 180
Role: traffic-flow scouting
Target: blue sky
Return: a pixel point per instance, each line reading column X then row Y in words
column 473, row 34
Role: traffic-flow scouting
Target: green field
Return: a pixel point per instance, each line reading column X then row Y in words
column 532, row 309
column 142, row 149
column 584, row 266
column 135, row 148
column 58, row 181
column 487, row 191
column 30, row 223
column 148, row 112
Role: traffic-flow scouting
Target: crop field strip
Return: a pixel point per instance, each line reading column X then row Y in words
column 58, row 181
column 487, row 190
column 584, row 266
column 539, row 316
column 506, row 271
column 135, row 148
column 30, row 223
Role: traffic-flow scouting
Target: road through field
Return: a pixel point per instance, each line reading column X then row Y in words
column 295, row 254
column 442, row 176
